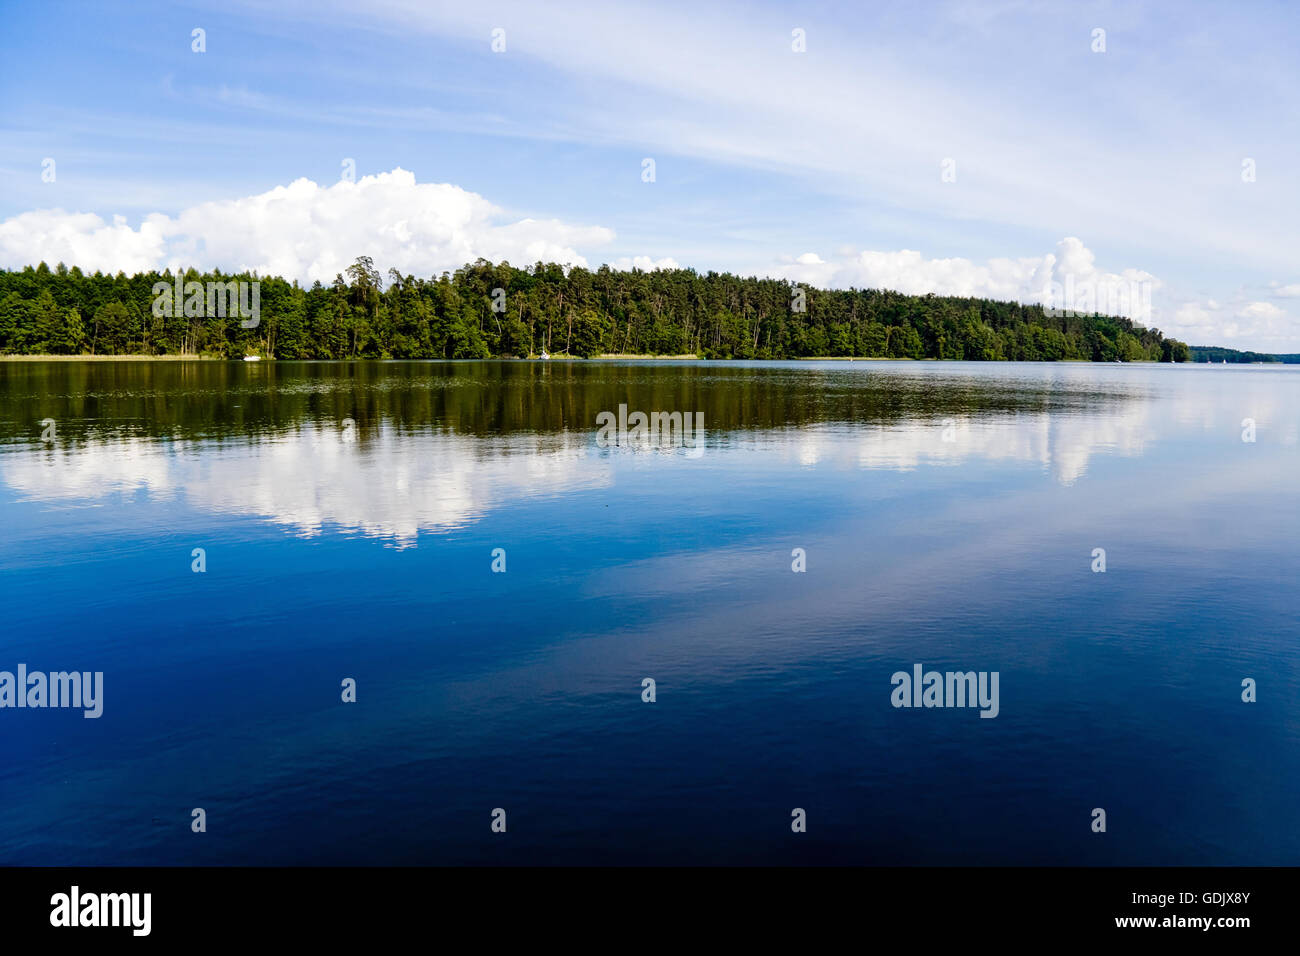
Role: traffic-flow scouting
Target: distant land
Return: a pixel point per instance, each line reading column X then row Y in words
column 486, row 310
column 1214, row 353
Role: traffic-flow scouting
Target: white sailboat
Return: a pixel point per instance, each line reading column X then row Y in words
column 545, row 354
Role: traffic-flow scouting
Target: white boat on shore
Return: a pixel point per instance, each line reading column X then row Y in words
column 252, row 358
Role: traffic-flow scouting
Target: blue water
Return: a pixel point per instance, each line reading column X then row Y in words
column 948, row 513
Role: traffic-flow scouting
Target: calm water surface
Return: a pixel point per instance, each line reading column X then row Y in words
column 948, row 513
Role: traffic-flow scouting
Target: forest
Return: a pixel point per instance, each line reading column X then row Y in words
column 486, row 310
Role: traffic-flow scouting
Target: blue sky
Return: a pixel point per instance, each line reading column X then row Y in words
column 823, row 166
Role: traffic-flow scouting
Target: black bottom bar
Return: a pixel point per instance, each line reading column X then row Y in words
column 662, row 906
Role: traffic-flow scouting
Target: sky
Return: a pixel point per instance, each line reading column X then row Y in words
column 1146, row 155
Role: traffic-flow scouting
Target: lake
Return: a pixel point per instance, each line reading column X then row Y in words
column 228, row 543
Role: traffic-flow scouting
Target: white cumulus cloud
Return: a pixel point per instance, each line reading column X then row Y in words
column 82, row 239
column 644, row 263
column 1242, row 324
column 304, row 231
column 1067, row 275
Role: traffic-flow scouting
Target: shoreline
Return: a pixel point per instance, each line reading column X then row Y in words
column 617, row 356
column 610, row 357
column 113, row 358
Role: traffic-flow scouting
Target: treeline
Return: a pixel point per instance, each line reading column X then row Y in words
column 1216, row 354
column 485, row 310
